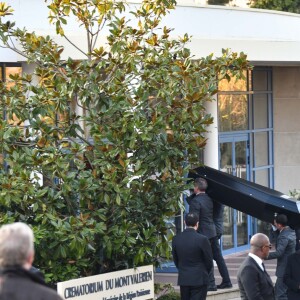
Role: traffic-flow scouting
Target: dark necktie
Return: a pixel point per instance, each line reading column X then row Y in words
column 263, row 267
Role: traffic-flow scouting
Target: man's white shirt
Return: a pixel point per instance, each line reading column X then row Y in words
column 258, row 260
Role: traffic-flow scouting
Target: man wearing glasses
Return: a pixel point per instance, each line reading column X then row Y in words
column 253, row 280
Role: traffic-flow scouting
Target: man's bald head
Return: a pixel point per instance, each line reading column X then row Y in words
column 260, row 245
column 258, row 240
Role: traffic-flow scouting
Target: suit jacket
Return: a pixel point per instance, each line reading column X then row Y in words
column 297, row 231
column 21, row 284
column 202, row 204
column 193, row 257
column 254, row 283
column 285, row 245
column 218, row 213
column 292, row 276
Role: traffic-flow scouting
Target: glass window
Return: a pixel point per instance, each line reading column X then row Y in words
column 239, row 103
column 261, row 149
column 260, row 111
column 228, row 236
column 241, row 159
column 242, row 228
column 263, row 227
column 260, row 81
column 233, row 112
column 234, row 84
column 262, row 177
column 11, row 71
column 6, row 71
column 226, row 157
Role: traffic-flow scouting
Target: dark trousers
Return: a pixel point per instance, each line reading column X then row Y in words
column 211, row 278
column 193, row 292
column 218, row 257
column 280, row 289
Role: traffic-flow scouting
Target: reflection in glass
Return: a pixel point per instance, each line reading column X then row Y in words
column 264, row 227
column 240, row 159
column 226, row 166
column 226, row 157
column 234, row 84
column 242, row 228
column 233, row 112
column 13, row 120
column 227, row 240
column 260, row 110
column 241, row 172
column 11, row 71
column 261, row 149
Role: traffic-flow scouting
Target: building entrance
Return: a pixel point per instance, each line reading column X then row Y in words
column 234, row 160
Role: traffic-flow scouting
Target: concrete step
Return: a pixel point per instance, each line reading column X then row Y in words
column 233, row 262
column 232, row 293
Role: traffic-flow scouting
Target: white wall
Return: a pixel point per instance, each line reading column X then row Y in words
column 286, row 128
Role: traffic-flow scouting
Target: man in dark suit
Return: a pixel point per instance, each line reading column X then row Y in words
column 292, row 276
column 285, row 246
column 253, row 280
column 216, row 248
column 297, row 231
column 193, row 258
column 202, row 205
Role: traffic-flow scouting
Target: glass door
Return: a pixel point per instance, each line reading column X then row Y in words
column 234, row 160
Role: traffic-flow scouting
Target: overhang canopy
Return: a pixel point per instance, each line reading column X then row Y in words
column 267, row 37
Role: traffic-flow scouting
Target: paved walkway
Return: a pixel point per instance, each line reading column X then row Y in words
column 233, row 261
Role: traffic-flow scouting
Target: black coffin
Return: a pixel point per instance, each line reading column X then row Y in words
column 251, row 198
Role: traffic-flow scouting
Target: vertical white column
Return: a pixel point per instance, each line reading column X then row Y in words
column 79, row 110
column 211, row 151
column 29, row 69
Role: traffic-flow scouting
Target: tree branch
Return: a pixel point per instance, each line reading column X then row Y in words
column 82, row 139
column 75, row 45
column 89, row 44
column 96, row 38
column 15, row 50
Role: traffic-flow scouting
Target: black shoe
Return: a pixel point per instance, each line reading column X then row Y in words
column 224, row 285
column 212, row 288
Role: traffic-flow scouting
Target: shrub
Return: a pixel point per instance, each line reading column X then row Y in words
column 295, row 193
column 170, row 296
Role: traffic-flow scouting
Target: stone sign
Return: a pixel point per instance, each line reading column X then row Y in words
column 131, row 284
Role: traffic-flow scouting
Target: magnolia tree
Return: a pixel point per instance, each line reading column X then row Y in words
column 96, row 151
column 286, row 5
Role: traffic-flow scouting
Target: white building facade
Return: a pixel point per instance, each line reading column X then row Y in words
column 256, row 130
